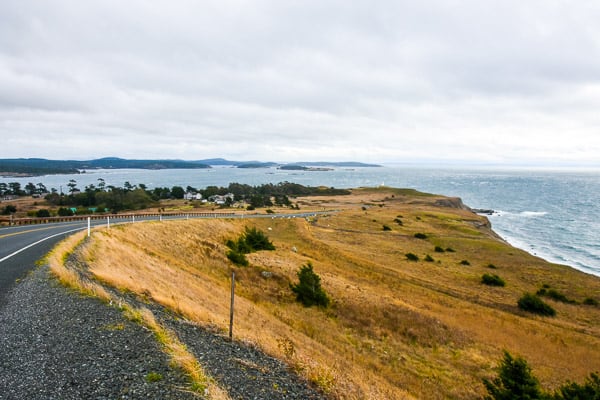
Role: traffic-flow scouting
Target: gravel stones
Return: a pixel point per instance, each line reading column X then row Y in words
column 59, row 344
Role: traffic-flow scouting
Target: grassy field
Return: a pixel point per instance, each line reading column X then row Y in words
column 396, row 328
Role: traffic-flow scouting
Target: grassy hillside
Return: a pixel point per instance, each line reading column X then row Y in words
column 395, row 328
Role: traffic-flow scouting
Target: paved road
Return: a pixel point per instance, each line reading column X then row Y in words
column 22, row 246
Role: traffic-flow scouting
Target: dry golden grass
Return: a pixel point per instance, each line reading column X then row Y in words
column 396, row 328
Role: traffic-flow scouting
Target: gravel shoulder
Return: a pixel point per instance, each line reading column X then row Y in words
column 58, row 344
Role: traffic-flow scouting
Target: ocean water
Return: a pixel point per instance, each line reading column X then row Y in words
column 552, row 214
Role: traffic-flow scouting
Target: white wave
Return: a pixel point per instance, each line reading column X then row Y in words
column 533, row 213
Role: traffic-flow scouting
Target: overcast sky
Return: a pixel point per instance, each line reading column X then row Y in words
column 506, row 82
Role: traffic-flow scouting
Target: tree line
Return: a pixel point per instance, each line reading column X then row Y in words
column 103, row 197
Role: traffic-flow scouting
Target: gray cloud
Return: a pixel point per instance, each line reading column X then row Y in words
column 504, row 82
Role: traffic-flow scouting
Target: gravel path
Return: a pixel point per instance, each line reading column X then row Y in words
column 58, row 344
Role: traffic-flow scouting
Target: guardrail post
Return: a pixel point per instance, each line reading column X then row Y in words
column 133, row 219
column 108, row 221
column 89, row 226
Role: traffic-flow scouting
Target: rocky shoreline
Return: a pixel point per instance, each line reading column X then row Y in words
column 58, row 344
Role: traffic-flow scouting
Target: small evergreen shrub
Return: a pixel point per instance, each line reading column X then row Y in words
column 465, row 262
column 237, row 258
column 308, row 289
column 554, row 295
column 428, row 258
column 256, row 240
column 439, row 249
column 420, row 236
column 398, row 221
column 514, row 381
column 9, row 209
column 492, row 266
column 412, row 257
column 532, row 303
column 590, row 302
column 386, row 228
column 492, row 280
column 575, row 391
column 43, row 213
column 450, row 250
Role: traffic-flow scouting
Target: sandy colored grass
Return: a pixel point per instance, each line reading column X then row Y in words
column 396, row 328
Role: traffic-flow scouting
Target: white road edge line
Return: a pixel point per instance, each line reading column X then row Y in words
column 38, row 242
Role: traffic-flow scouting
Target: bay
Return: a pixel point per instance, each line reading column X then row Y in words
column 550, row 213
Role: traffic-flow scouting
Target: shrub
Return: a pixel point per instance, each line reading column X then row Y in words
column 492, row 280
column 428, row 258
column 237, row 258
column 575, row 391
column 42, row 213
column 554, row 295
column 514, row 381
column 308, row 290
column 420, row 236
column 412, row 257
column 450, row 250
column 256, row 240
column 9, row 209
column 465, row 262
column 590, row 302
column 65, row 212
column 532, row 303
column 251, row 240
column 439, row 249
column 398, row 221
column 492, row 266
column 386, row 228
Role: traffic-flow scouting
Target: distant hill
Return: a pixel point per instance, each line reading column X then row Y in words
column 42, row 166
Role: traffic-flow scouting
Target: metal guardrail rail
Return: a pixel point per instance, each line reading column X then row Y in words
column 46, row 220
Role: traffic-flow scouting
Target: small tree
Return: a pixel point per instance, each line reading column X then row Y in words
column 514, row 381
column 308, row 290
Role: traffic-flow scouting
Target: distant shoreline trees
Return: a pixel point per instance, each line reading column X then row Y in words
column 134, row 197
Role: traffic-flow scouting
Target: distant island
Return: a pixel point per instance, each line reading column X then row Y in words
column 19, row 167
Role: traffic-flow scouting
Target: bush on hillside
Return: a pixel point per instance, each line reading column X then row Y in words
column 590, row 301
column 237, row 258
column 43, row 213
column 420, row 236
column 532, row 303
column 514, row 381
column 412, row 257
column 575, row 391
column 555, row 295
column 492, row 280
column 308, row 289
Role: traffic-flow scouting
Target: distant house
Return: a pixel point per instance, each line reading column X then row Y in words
column 220, row 200
column 192, row 196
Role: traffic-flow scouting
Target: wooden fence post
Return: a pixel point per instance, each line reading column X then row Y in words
column 231, row 306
